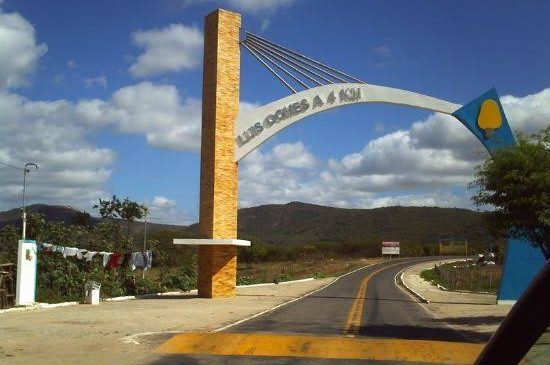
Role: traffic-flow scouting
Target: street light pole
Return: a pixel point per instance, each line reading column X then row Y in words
column 26, row 170
column 144, row 244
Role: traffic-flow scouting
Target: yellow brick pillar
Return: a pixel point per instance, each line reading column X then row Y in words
column 219, row 172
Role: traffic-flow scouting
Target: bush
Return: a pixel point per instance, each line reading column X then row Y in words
column 181, row 281
column 9, row 236
column 62, row 279
column 282, row 277
column 319, row 275
column 431, row 275
column 247, row 280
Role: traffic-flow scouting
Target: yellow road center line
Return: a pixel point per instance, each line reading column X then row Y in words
column 353, row 322
column 329, row 347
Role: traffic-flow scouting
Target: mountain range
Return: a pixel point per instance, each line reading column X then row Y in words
column 298, row 223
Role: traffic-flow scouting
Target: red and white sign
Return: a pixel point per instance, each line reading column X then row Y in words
column 390, row 248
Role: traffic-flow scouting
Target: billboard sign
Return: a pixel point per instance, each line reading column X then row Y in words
column 390, row 248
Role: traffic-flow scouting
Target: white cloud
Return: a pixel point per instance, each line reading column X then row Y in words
column 292, row 155
column 155, row 111
column 19, row 51
column 395, row 152
column 93, row 81
column 171, row 49
column 250, row 6
column 164, row 210
column 530, row 113
column 71, row 170
column 265, row 24
column 59, row 79
column 257, row 6
column 268, row 177
column 379, row 127
column 418, row 166
column 438, row 198
column 426, row 165
column 162, row 202
column 71, row 64
column 383, row 50
column 265, row 179
column 260, row 8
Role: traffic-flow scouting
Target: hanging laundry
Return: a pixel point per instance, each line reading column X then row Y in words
column 115, row 260
column 126, row 260
column 148, row 256
column 89, row 255
column 106, row 257
column 80, row 253
column 138, row 261
column 70, row 251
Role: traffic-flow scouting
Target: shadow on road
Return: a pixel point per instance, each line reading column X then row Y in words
column 458, row 302
column 422, row 333
column 472, row 320
column 258, row 360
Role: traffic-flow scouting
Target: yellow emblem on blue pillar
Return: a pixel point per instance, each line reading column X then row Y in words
column 485, row 118
column 489, row 118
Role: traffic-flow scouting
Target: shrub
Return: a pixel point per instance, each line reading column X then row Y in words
column 282, row 277
column 247, row 280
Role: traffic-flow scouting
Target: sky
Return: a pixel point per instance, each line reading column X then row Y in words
column 106, row 97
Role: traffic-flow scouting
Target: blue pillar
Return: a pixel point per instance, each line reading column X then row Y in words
column 485, row 118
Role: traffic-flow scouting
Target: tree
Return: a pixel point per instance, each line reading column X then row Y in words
column 9, row 236
column 126, row 210
column 81, row 219
column 109, row 209
column 515, row 181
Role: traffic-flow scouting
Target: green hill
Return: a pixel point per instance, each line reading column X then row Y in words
column 306, row 223
column 300, row 223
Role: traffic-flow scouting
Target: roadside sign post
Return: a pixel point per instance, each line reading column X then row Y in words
column 390, row 248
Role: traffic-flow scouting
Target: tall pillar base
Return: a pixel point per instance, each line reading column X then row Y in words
column 217, row 271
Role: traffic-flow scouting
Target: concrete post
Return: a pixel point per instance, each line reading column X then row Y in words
column 26, row 273
column 219, row 172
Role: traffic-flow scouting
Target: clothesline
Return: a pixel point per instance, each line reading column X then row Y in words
column 111, row 260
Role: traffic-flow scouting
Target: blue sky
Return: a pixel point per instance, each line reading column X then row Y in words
column 105, row 95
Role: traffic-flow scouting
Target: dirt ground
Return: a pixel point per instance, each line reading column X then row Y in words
column 127, row 332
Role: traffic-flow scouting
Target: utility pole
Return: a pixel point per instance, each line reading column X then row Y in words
column 26, row 170
column 144, row 243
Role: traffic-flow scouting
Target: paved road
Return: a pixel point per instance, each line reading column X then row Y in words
column 361, row 318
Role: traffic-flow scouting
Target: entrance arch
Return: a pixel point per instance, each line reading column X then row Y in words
column 257, row 126
column 228, row 136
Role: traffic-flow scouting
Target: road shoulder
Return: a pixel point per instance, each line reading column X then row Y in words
column 126, row 332
column 477, row 316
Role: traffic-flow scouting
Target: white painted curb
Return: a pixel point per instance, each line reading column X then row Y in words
column 411, row 290
column 280, row 283
column 38, row 306
column 194, row 291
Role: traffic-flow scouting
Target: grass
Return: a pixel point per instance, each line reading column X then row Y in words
column 465, row 276
column 276, row 271
column 280, row 271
